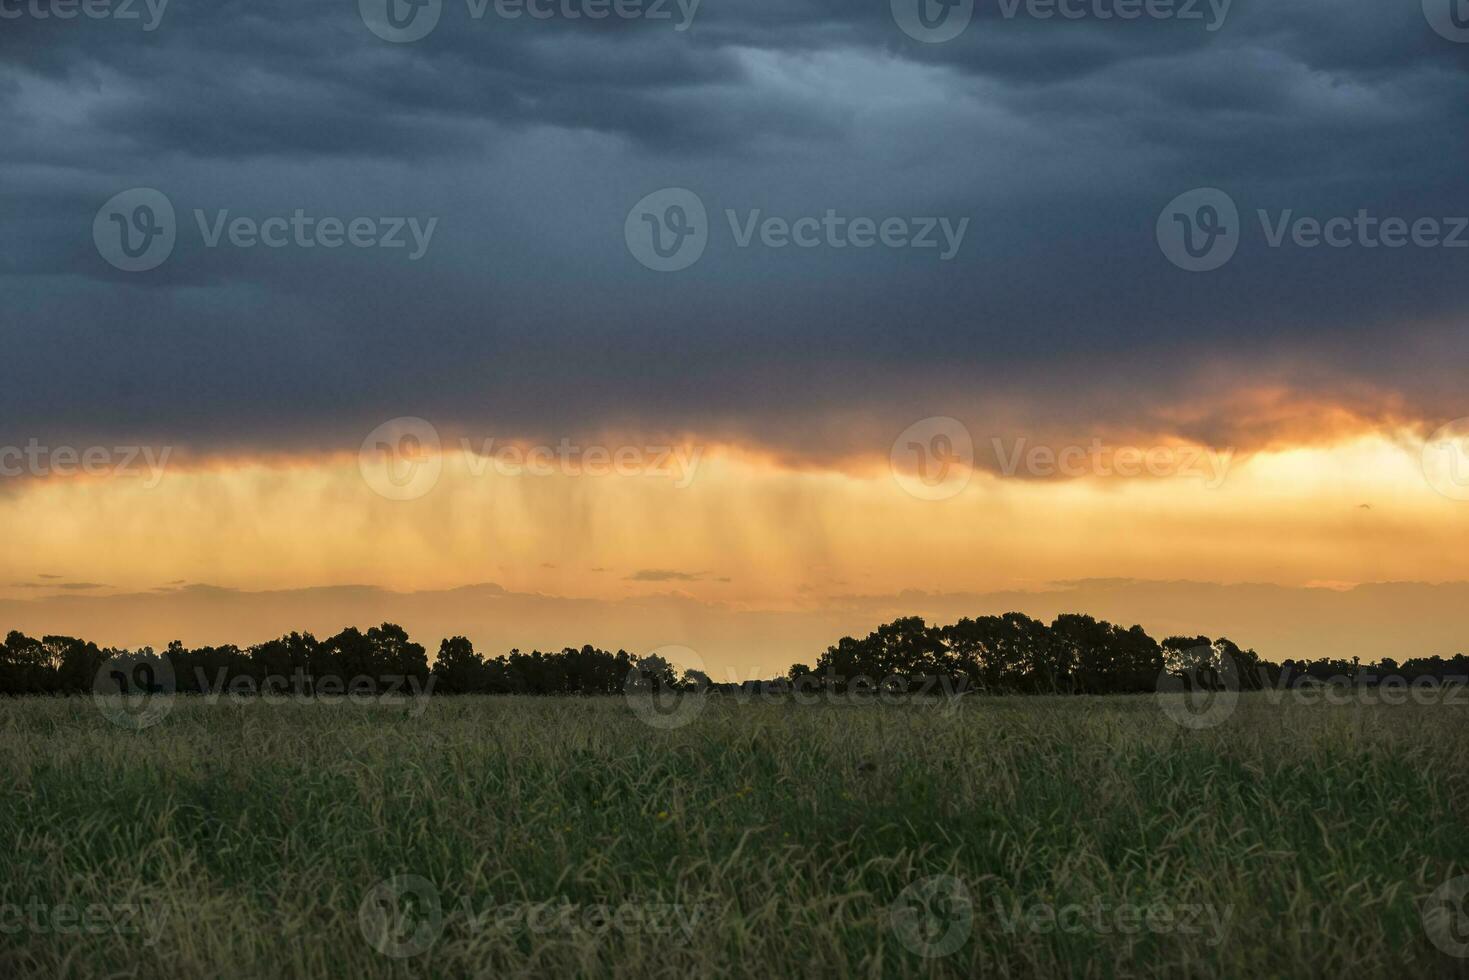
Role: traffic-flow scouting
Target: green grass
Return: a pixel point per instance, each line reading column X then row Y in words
column 252, row 834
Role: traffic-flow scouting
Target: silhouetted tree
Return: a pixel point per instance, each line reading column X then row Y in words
column 1013, row 653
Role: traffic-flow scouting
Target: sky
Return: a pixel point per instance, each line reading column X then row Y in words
column 737, row 325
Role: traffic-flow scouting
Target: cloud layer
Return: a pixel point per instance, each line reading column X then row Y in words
column 529, row 140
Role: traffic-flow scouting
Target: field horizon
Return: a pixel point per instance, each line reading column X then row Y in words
column 533, row 836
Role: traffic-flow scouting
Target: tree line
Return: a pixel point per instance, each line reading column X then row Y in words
column 1076, row 654
column 1009, row 654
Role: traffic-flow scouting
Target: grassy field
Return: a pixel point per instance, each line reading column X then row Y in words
column 505, row 837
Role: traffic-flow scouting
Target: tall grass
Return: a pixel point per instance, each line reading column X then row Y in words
column 246, row 837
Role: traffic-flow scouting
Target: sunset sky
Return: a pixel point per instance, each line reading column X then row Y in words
column 735, row 452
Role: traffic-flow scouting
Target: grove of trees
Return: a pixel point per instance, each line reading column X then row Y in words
column 1009, row 654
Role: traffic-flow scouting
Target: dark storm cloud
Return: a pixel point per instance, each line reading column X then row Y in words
column 529, row 141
